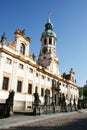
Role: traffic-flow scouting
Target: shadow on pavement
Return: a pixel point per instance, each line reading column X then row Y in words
column 79, row 124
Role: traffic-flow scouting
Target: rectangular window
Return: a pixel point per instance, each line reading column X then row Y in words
column 21, row 66
column 36, row 74
column 5, row 83
column 42, row 77
column 42, row 92
column 48, row 79
column 45, row 41
column 8, row 60
column 50, row 40
column 19, row 86
column 36, row 89
column 31, row 70
column 29, row 88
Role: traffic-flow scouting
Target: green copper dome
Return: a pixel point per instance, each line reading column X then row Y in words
column 48, row 29
column 48, row 33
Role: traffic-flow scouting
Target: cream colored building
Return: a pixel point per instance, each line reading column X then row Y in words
column 21, row 72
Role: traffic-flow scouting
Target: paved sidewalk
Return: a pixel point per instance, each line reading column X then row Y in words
column 18, row 120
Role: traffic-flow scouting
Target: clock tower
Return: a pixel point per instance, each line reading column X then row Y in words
column 47, row 57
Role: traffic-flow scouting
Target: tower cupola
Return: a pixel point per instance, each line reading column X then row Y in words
column 48, row 29
column 47, row 56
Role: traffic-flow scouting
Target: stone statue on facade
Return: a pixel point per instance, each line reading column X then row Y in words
column 9, row 104
column 46, row 97
column 3, row 38
column 36, row 99
column 23, row 32
column 33, row 56
column 70, row 104
column 36, row 104
column 62, row 102
column 74, row 103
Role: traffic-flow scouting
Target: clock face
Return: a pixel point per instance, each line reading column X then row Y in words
column 44, row 50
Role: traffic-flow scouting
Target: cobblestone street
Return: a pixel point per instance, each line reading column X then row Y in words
column 76, row 121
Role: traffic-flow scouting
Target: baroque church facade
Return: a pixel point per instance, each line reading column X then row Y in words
column 22, row 73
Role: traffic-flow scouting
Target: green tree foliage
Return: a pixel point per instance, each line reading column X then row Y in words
column 80, row 92
column 85, row 92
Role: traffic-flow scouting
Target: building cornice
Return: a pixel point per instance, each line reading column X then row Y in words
column 38, row 68
column 19, row 57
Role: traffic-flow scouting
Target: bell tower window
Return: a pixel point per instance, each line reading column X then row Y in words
column 45, row 41
column 50, row 40
column 22, row 49
column 54, row 42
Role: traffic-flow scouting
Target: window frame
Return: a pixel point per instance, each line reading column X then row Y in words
column 8, row 60
column 5, row 83
column 37, row 74
column 31, row 70
column 45, row 41
column 20, row 85
column 29, row 88
column 21, row 66
column 36, row 89
column 22, row 49
column 50, row 40
column 42, row 92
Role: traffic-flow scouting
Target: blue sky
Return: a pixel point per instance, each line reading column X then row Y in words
column 69, row 18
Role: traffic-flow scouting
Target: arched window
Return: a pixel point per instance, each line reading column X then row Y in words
column 50, row 40
column 22, row 49
column 54, row 42
column 45, row 41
